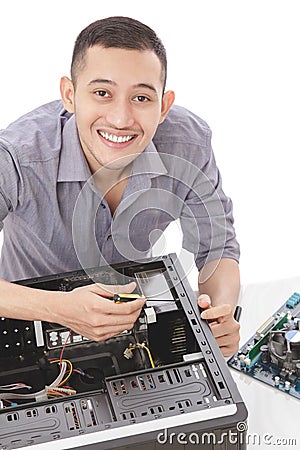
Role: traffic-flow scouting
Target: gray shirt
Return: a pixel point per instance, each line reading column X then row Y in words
column 54, row 218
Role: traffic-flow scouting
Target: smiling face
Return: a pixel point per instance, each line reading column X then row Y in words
column 118, row 102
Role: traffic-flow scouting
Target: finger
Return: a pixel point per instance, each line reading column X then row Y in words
column 112, row 314
column 110, row 290
column 121, row 322
column 229, row 350
column 102, row 333
column 228, row 329
column 130, row 307
column 228, row 344
column 217, row 312
column 108, row 307
column 228, row 339
column 108, row 335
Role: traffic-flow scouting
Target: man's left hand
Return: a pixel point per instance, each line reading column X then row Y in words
column 222, row 323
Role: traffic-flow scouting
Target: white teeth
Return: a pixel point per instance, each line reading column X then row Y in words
column 114, row 138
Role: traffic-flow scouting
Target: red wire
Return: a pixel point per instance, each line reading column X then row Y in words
column 63, row 349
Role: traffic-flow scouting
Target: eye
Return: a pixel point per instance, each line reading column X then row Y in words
column 101, row 93
column 141, row 99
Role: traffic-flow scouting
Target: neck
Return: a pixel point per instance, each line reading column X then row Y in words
column 112, row 184
column 108, row 175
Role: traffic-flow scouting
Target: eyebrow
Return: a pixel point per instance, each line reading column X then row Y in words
column 113, row 83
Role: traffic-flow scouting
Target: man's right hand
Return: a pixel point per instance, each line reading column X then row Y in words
column 88, row 311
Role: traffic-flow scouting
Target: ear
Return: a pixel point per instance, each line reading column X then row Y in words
column 67, row 94
column 167, row 102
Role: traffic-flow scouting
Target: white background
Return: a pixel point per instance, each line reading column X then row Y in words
column 235, row 63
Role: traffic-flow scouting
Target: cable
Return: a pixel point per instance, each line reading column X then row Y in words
column 43, row 393
column 59, row 361
column 149, row 354
column 14, row 386
column 128, row 352
column 48, row 390
column 64, row 346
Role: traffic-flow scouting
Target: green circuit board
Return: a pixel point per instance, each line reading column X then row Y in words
column 272, row 354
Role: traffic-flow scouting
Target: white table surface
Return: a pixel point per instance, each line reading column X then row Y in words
column 273, row 415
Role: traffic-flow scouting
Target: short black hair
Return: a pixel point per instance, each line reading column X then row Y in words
column 118, row 32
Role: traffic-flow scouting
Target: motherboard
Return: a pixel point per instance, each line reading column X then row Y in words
column 272, row 355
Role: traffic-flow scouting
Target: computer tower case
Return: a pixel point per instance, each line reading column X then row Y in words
column 163, row 384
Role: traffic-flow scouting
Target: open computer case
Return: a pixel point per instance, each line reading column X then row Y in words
column 163, row 384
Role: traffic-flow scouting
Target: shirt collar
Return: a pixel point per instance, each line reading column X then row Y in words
column 72, row 164
column 149, row 163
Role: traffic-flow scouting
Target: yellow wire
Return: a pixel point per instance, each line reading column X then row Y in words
column 149, row 354
column 70, row 369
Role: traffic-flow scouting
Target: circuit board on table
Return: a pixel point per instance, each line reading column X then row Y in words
column 272, row 354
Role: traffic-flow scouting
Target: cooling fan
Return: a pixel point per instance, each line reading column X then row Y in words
column 284, row 349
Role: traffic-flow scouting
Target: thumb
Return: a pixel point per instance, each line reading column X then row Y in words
column 109, row 290
column 126, row 288
column 204, row 301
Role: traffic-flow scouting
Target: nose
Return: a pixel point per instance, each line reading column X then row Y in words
column 119, row 114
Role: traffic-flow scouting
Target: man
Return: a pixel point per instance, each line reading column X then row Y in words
column 87, row 181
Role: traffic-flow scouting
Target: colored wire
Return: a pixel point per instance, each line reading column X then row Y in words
column 128, row 352
column 40, row 394
column 62, row 382
column 60, row 392
column 149, row 354
column 64, row 346
column 14, row 386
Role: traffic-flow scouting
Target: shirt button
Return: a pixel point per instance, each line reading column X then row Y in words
column 108, row 237
column 103, row 206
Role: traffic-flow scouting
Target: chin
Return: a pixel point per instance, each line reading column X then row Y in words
column 120, row 162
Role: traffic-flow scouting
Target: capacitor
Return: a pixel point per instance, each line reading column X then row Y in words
column 277, row 381
column 296, row 322
column 287, row 385
column 247, row 362
column 242, row 361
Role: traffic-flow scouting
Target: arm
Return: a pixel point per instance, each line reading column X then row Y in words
column 84, row 310
column 219, row 285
